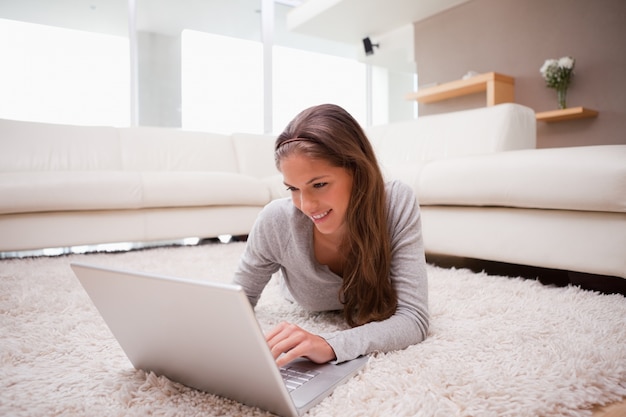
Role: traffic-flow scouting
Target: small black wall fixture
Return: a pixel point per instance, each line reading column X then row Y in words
column 369, row 46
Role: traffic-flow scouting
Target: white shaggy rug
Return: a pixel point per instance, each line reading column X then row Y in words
column 497, row 347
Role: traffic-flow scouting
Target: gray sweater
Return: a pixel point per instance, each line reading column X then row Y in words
column 282, row 239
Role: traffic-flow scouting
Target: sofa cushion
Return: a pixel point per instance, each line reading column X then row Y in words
column 276, row 186
column 29, row 192
column 185, row 189
column 407, row 173
column 591, row 178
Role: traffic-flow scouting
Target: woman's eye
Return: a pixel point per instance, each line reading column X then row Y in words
column 320, row 184
column 291, row 189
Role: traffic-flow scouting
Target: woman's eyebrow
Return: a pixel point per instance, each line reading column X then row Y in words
column 312, row 180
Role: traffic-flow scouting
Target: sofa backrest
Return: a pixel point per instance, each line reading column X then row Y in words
column 170, row 149
column 255, row 154
column 37, row 147
column 470, row 132
column 31, row 146
column 402, row 147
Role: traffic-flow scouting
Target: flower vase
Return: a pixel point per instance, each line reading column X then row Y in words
column 561, row 94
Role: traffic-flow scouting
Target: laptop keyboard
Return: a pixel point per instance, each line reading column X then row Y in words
column 294, row 376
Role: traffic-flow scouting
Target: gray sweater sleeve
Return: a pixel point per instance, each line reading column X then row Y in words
column 260, row 258
column 282, row 239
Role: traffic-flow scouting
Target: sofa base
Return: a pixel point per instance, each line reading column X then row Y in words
column 21, row 232
column 547, row 276
column 578, row 241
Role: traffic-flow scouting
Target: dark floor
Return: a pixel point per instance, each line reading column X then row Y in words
column 601, row 283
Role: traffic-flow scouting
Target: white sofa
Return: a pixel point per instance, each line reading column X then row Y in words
column 485, row 192
column 75, row 185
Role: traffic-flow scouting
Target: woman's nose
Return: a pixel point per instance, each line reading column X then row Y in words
column 307, row 202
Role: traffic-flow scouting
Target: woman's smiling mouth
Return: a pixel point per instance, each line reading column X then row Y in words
column 317, row 217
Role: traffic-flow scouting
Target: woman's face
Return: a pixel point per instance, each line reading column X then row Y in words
column 319, row 190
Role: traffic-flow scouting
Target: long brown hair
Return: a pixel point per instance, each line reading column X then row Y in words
column 330, row 133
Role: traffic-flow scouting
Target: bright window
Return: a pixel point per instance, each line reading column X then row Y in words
column 303, row 79
column 222, row 83
column 56, row 75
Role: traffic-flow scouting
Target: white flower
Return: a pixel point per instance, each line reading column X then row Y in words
column 566, row 62
column 558, row 72
column 549, row 63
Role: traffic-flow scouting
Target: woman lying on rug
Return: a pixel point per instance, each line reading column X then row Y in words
column 345, row 240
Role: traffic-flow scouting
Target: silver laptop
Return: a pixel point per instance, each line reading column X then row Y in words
column 205, row 335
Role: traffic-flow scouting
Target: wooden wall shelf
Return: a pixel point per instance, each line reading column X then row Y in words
column 566, row 114
column 499, row 89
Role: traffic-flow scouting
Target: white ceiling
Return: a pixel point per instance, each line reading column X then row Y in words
column 327, row 26
column 346, row 21
column 350, row 21
column 158, row 16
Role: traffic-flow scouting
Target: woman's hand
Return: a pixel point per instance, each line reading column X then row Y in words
column 295, row 342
